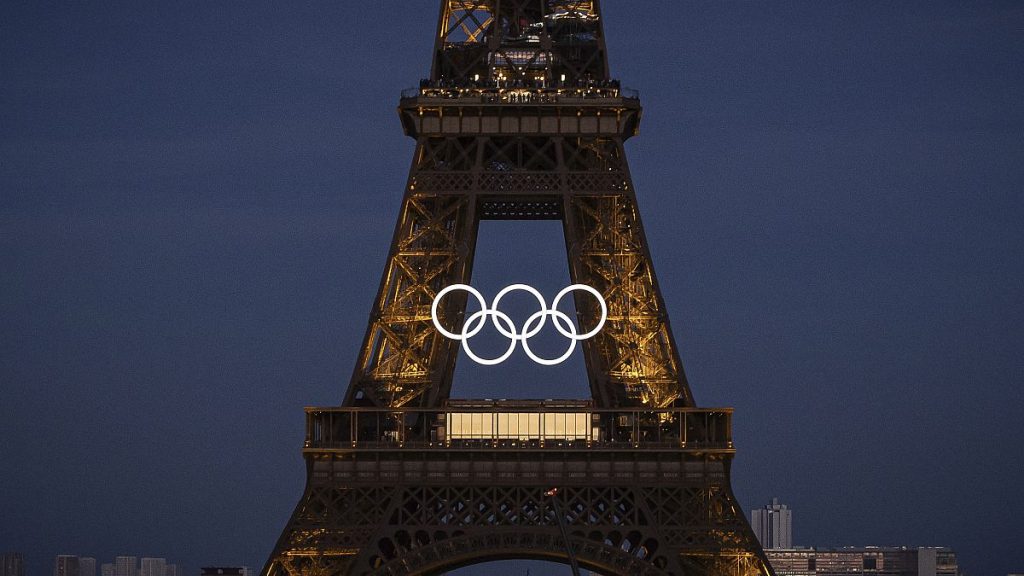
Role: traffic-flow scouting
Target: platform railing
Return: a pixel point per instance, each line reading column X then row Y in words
column 518, row 426
column 519, row 95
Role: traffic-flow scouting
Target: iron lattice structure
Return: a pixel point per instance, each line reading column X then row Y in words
column 519, row 120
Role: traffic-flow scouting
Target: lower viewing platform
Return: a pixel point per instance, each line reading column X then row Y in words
column 518, row 425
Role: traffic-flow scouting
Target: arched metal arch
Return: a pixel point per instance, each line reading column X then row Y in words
column 599, row 556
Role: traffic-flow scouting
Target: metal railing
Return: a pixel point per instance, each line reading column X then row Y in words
column 546, row 425
column 495, row 95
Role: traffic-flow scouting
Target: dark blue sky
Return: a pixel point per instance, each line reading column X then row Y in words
column 196, row 199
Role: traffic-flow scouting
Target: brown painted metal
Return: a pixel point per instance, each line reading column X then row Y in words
column 519, row 120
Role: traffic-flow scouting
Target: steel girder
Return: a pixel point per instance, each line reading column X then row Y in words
column 518, row 40
column 519, row 120
column 641, row 523
column 455, row 182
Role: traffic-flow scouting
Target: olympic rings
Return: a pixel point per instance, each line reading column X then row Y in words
column 507, row 328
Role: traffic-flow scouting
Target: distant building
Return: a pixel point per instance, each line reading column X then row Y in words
column 172, row 570
column 12, row 564
column 126, row 566
column 66, row 565
column 867, row 561
column 773, row 525
column 106, row 569
column 153, row 567
column 86, row 566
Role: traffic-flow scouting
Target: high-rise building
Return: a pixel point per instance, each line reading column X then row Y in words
column 107, row 569
column 172, row 570
column 12, row 564
column 153, row 567
column 86, row 566
column 66, row 565
column 773, row 525
column 867, row 561
column 126, row 566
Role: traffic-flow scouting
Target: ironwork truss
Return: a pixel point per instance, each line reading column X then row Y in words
column 400, row 530
column 519, row 120
column 646, row 494
column 519, row 40
column 455, row 182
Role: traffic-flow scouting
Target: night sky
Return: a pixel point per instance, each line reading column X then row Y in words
column 197, row 198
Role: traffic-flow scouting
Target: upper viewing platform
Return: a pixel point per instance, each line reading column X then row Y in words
column 520, row 67
column 541, row 45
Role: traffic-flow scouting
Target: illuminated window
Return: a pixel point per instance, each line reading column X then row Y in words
column 518, row 426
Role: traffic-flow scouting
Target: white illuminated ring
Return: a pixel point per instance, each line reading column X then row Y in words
column 442, row 294
column 600, row 300
column 504, row 324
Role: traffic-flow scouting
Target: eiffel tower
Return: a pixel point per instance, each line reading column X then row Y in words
column 519, row 120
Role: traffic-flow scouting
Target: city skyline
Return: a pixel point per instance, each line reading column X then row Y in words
column 790, row 559
column 191, row 239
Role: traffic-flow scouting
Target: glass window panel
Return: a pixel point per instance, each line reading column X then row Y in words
column 512, row 428
column 520, row 425
column 533, row 426
column 548, row 430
